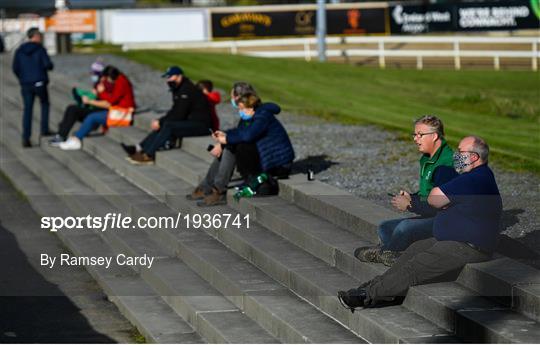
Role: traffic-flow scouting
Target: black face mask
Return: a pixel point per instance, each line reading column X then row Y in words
column 172, row 85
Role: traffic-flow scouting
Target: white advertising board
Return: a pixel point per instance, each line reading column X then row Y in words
column 154, row 25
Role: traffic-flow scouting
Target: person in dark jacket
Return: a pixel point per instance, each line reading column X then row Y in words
column 220, row 171
column 261, row 143
column 465, row 230
column 30, row 65
column 435, row 169
column 189, row 116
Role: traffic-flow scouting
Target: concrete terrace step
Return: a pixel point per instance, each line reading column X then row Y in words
column 194, row 301
column 152, row 317
column 277, row 216
column 308, row 196
column 285, row 320
column 474, row 318
column 274, row 255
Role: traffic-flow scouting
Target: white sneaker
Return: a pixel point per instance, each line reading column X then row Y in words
column 73, row 143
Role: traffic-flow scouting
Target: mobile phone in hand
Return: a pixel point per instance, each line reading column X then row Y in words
column 210, row 148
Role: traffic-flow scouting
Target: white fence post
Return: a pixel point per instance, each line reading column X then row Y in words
column 382, row 62
column 496, row 62
column 419, row 62
column 234, row 48
column 457, row 58
column 307, row 51
column 535, row 56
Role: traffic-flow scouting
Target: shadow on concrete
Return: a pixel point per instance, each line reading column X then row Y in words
column 317, row 164
column 33, row 310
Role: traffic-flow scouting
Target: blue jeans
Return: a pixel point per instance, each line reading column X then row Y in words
column 29, row 93
column 399, row 234
column 93, row 120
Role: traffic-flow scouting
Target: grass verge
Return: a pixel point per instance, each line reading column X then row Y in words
column 503, row 107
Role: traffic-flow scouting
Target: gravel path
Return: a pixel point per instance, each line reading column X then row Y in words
column 364, row 160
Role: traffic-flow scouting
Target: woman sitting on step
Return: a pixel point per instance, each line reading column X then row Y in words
column 260, row 144
column 120, row 95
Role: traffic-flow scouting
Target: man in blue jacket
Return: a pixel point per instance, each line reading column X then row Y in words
column 30, row 65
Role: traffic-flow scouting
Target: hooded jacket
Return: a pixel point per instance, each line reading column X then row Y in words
column 273, row 143
column 189, row 104
column 31, row 63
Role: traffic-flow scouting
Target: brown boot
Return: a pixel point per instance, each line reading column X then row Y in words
column 141, row 158
column 213, row 199
column 197, row 194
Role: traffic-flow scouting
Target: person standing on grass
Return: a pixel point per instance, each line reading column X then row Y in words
column 466, row 230
column 435, row 169
column 30, row 65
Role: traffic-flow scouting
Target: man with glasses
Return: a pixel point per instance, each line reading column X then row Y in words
column 435, row 169
column 466, row 230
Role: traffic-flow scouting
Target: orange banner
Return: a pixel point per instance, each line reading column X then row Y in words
column 72, row 21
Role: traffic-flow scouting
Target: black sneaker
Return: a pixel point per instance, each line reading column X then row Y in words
column 389, row 257
column 56, row 140
column 26, row 143
column 352, row 299
column 130, row 149
column 368, row 254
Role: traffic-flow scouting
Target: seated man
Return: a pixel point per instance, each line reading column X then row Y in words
column 435, row 169
column 465, row 230
column 188, row 117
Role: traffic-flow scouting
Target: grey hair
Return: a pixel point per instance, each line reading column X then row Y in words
column 432, row 121
column 481, row 147
column 241, row 88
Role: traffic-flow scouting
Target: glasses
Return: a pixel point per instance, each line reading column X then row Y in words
column 476, row 153
column 415, row 135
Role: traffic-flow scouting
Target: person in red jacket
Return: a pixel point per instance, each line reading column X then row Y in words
column 121, row 95
column 214, row 98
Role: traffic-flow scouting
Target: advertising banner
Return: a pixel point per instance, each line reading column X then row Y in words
column 507, row 15
column 354, row 21
column 72, row 21
column 475, row 16
column 420, row 19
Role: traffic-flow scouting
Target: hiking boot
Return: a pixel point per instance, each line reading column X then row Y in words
column 197, row 194
column 352, row 299
column 368, row 254
column 389, row 257
column 141, row 158
column 130, row 149
column 213, row 199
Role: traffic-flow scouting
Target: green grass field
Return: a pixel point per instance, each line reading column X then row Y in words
column 503, row 107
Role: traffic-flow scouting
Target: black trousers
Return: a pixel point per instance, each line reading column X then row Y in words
column 177, row 129
column 72, row 114
column 426, row 261
column 29, row 93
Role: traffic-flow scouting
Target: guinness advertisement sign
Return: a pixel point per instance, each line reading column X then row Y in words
column 355, row 21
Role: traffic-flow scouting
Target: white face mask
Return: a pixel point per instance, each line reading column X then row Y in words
column 94, row 78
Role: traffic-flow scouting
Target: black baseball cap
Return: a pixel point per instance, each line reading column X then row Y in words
column 173, row 70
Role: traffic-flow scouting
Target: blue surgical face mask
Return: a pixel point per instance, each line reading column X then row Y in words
column 233, row 103
column 243, row 115
column 95, row 78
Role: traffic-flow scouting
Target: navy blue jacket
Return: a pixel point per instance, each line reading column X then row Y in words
column 31, row 63
column 273, row 143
